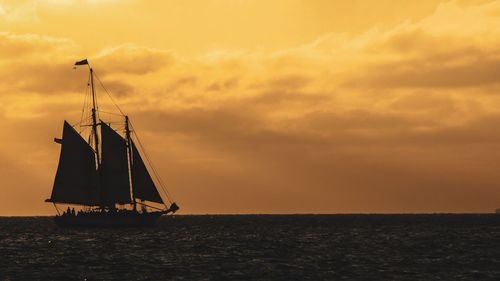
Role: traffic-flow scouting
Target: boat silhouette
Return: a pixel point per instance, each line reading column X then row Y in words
column 106, row 175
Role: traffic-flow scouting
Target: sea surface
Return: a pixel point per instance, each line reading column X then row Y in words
column 257, row 247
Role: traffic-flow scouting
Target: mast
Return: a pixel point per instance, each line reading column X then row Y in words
column 129, row 149
column 96, row 137
column 94, row 119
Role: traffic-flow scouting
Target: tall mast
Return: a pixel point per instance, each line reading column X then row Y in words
column 94, row 119
column 94, row 129
column 129, row 148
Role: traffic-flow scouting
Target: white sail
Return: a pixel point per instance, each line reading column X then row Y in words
column 75, row 181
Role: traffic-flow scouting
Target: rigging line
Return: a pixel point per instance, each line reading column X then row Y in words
column 89, row 98
column 55, row 206
column 112, row 123
column 112, row 113
column 85, row 99
column 98, row 117
column 95, row 104
column 162, row 185
column 107, row 92
column 155, row 172
column 85, row 116
column 143, row 204
column 80, row 124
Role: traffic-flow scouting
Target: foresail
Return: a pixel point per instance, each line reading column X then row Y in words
column 143, row 185
column 76, row 178
column 114, row 172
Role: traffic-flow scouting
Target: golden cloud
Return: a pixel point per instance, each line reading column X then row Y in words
column 389, row 120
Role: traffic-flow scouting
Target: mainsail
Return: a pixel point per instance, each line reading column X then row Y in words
column 143, row 185
column 76, row 176
column 114, row 174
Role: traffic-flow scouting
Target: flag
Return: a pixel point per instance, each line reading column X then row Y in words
column 82, row 62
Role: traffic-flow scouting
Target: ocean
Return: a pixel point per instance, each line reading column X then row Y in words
column 257, row 247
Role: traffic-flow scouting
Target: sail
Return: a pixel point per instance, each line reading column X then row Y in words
column 143, row 185
column 114, row 175
column 76, row 177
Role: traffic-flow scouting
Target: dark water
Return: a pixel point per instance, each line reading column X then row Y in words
column 315, row 247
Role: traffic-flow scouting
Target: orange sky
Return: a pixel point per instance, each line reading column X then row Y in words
column 286, row 106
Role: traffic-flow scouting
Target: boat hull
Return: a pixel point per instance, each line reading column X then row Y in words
column 129, row 219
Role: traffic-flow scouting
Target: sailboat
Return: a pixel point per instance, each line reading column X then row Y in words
column 106, row 175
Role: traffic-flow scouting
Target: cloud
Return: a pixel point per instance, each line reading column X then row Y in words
column 332, row 155
column 458, row 66
column 18, row 11
column 388, row 120
column 133, row 59
column 23, row 46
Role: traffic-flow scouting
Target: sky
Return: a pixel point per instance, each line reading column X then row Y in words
column 295, row 106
